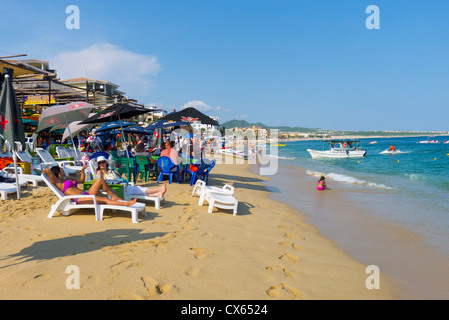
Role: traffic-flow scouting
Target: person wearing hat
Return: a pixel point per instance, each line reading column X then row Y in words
column 104, row 172
column 70, row 188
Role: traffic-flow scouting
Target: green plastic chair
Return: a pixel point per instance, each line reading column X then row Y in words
column 141, row 161
column 127, row 166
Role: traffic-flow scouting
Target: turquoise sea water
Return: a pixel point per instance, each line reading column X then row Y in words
column 411, row 188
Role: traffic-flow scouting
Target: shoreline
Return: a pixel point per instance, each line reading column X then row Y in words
column 416, row 269
column 349, row 137
column 266, row 252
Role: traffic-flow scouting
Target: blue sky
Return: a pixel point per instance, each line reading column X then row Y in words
column 296, row 63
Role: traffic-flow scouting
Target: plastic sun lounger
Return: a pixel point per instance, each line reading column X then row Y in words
column 216, row 197
column 201, row 189
column 29, row 178
column 47, row 159
column 156, row 200
column 7, row 188
column 223, row 201
column 67, row 205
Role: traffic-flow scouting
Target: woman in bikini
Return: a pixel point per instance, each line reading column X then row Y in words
column 103, row 171
column 70, row 188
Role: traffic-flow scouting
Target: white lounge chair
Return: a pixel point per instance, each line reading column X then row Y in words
column 140, row 198
column 220, row 200
column 216, row 197
column 7, row 188
column 29, row 178
column 66, row 204
column 200, row 188
column 47, row 159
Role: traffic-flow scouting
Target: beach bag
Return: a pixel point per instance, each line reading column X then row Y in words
column 112, row 175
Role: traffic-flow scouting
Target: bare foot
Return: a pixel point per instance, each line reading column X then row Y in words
column 131, row 202
column 164, row 188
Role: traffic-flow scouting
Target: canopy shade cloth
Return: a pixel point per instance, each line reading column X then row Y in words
column 114, row 125
column 165, row 124
column 116, row 112
column 62, row 116
column 189, row 115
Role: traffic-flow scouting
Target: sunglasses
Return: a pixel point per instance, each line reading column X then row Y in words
column 102, row 162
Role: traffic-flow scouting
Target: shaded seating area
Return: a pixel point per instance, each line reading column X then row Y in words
column 168, row 168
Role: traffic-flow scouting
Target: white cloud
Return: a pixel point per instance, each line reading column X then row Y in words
column 133, row 72
column 200, row 105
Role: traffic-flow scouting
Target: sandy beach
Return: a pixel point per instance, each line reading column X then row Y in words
column 266, row 252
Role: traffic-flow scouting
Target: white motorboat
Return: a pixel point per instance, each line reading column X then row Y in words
column 339, row 149
column 373, row 142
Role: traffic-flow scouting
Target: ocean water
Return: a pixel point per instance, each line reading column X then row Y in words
column 410, row 188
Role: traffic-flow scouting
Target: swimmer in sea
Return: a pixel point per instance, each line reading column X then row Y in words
column 321, row 184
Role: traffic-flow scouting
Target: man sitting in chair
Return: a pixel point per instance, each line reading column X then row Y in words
column 170, row 152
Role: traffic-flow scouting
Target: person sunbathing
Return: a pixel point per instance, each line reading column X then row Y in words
column 70, row 188
column 104, row 172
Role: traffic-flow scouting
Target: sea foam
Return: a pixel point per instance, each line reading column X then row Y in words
column 347, row 179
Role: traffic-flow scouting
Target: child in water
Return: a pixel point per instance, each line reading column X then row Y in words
column 321, row 184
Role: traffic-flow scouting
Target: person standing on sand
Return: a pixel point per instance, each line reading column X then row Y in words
column 321, row 184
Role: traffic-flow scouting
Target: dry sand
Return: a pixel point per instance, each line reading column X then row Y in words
column 180, row 252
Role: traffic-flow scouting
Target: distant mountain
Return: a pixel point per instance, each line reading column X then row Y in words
column 245, row 124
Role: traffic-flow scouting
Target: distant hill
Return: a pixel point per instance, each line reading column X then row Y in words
column 245, row 124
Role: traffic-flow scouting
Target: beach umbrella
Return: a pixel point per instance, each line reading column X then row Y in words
column 165, row 124
column 62, row 116
column 117, row 112
column 114, row 125
column 135, row 129
column 189, row 115
column 11, row 125
column 74, row 128
column 30, row 122
column 59, row 117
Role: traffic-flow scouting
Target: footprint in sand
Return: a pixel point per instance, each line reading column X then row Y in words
column 286, row 272
column 153, row 289
column 277, row 290
column 289, row 244
column 188, row 219
column 123, row 265
column 91, row 282
column 288, row 257
column 193, row 271
column 200, row 253
column 37, row 279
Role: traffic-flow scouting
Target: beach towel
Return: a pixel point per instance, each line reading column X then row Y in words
column 4, row 162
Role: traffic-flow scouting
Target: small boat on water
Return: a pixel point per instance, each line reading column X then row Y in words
column 373, row 142
column 446, row 141
column 428, row 141
column 339, row 149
